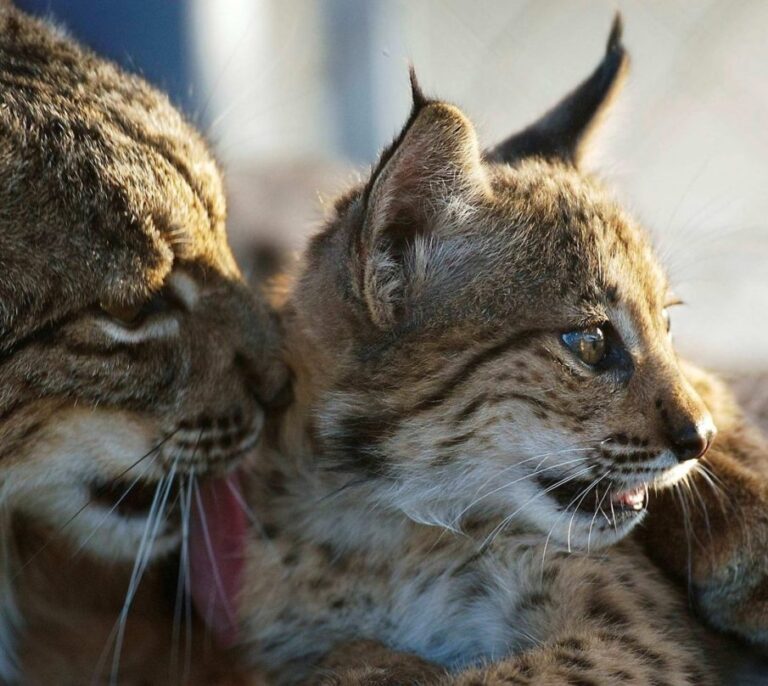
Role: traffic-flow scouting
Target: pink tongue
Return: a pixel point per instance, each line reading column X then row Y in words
column 216, row 549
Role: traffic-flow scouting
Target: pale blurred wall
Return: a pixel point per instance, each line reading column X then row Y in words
column 291, row 81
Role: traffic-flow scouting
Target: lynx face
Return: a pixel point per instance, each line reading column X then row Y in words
column 132, row 357
column 502, row 331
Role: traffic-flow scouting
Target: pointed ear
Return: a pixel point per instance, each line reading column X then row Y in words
column 433, row 168
column 563, row 132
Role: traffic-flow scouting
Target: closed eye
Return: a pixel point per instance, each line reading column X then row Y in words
column 154, row 317
column 132, row 315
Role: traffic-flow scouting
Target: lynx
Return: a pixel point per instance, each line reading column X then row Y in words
column 134, row 362
column 491, row 431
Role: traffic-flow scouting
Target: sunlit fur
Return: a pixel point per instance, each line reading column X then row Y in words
column 425, row 488
column 109, row 201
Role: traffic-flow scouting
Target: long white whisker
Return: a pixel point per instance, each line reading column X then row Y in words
column 209, row 547
column 724, row 499
column 143, row 558
column 181, row 583
column 188, row 594
column 687, row 530
column 694, row 489
column 134, row 572
column 247, row 510
column 715, row 484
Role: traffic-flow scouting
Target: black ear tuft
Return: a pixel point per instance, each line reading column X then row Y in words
column 562, row 132
column 614, row 39
column 417, row 95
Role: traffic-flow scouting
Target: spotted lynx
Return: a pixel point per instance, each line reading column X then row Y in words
column 133, row 360
column 488, row 408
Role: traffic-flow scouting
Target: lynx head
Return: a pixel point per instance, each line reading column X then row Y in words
column 130, row 351
column 495, row 330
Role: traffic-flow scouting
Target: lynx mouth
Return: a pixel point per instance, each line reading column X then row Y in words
column 631, row 499
column 615, row 502
column 130, row 498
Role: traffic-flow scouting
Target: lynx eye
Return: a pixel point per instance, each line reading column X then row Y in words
column 587, row 344
column 124, row 314
column 133, row 315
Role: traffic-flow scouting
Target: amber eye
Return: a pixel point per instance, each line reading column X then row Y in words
column 587, row 344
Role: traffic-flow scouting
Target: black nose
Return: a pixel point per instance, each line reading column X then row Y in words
column 691, row 440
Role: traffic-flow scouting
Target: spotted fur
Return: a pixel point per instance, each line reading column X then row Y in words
column 451, row 480
column 130, row 349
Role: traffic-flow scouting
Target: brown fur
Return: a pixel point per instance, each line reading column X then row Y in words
column 69, row 605
column 425, row 490
column 110, row 203
column 718, row 546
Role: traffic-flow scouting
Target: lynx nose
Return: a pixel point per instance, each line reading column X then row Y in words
column 691, row 440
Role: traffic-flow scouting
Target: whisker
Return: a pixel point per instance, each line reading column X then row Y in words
column 106, row 516
column 218, row 583
column 724, row 499
column 694, row 489
column 557, row 519
column 188, row 595
column 8, row 605
column 133, row 587
column 247, row 510
column 254, row 520
column 181, row 584
column 504, row 522
column 598, row 510
column 716, row 485
column 575, row 509
column 136, row 566
column 135, row 583
column 543, row 457
column 143, row 555
column 613, row 515
column 183, row 601
column 704, row 473
column 687, row 530
column 536, row 472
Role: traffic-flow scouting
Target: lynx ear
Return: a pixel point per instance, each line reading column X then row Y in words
column 562, row 133
column 433, row 167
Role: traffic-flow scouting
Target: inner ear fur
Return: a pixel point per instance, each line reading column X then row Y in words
column 433, row 166
column 564, row 131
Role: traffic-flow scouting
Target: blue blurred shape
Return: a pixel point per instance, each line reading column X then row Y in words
column 149, row 37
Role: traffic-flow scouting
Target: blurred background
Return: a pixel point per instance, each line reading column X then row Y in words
column 297, row 96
